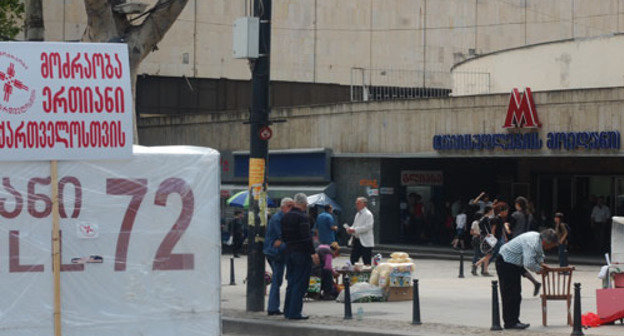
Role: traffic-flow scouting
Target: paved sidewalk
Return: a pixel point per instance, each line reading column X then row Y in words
column 445, row 300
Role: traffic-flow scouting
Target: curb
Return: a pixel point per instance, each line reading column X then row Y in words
column 455, row 255
column 245, row 326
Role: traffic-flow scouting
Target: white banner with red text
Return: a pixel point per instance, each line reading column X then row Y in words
column 65, row 101
column 140, row 245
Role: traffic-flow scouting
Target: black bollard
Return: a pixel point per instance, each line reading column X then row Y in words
column 347, row 297
column 495, row 311
column 461, row 264
column 416, row 305
column 577, row 330
column 232, row 282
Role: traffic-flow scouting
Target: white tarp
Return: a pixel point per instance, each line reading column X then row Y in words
column 160, row 273
column 617, row 240
column 65, row 101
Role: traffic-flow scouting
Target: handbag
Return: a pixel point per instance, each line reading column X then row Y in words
column 230, row 241
column 488, row 242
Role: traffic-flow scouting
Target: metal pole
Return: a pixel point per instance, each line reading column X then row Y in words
column 461, row 265
column 577, row 330
column 232, row 279
column 259, row 117
column 416, row 305
column 348, row 315
column 495, row 311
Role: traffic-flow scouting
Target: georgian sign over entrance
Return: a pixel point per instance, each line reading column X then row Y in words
column 522, row 114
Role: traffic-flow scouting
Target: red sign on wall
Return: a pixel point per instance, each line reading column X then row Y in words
column 421, row 177
column 521, row 112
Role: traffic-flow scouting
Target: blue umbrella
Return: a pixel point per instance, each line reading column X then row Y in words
column 321, row 200
column 241, row 200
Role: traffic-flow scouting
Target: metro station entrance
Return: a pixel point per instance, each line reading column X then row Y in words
column 576, row 196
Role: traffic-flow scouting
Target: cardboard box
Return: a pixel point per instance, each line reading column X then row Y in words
column 399, row 294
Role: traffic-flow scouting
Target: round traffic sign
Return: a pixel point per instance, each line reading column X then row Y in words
column 265, row 133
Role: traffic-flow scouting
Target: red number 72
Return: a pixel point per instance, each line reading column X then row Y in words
column 164, row 259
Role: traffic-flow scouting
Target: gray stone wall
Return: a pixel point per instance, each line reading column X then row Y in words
column 404, row 127
column 351, row 177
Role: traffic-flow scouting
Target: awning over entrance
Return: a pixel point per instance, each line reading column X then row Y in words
column 281, row 191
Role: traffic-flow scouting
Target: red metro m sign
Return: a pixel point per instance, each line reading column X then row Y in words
column 521, row 112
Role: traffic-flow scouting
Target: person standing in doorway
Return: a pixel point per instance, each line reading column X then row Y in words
column 600, row 218
column 297, row 235
column 236, row 231
column 523, row 252
column 362, row 233
column 274, row 249
column 563, row 232
column 326, row 226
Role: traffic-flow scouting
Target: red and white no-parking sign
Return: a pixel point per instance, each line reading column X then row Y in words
column 265, row 133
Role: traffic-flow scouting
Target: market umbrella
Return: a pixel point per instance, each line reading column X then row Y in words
column 321, row 200
column 241, row 200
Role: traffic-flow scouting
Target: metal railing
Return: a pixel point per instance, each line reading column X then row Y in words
column 386, row 84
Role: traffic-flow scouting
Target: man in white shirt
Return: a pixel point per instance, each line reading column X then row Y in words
column 362, row 231
column 600, row 216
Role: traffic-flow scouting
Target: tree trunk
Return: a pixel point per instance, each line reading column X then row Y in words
column 33, row 23
column 105, row 25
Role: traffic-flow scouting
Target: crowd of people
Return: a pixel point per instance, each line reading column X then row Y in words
column 512, row 241
column 301, row 244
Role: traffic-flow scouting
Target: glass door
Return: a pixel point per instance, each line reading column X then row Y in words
column 618, row 196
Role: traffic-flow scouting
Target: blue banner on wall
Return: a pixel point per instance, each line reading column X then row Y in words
column 289, row 166
column 529, row 141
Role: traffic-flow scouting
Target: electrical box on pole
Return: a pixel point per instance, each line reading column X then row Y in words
column 246, row 38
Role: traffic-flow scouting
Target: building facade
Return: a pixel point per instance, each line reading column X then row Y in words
column 397, row 43
column 561, row 149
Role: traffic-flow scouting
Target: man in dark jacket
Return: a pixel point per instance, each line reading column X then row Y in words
column 299, row 250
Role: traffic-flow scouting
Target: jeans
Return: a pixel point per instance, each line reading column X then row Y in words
column 476, row 244
column 298, row 267
column 277, row 267
column 563, row 255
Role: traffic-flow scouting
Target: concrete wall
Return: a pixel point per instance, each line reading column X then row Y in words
column 321, row 40
column 395, row 127
column 347, row 174
column 571, row 64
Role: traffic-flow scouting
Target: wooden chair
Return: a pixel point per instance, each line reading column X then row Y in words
column 556, row 285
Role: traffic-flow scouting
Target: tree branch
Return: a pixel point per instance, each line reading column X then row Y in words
column 103, row 24
column 143, row 38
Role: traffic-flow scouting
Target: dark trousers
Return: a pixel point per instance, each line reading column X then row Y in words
column 327, row 284
column 509, row 276
column 277, row 267
column 298, row 266
column 360, row 251
column 563, row 255
column 237, row 243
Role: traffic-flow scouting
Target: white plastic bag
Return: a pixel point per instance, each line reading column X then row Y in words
column 362, row 290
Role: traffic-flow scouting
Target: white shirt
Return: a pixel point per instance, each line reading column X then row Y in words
column 476, row 230
column 601, row 215
column 363, row 226
column 460, row 221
